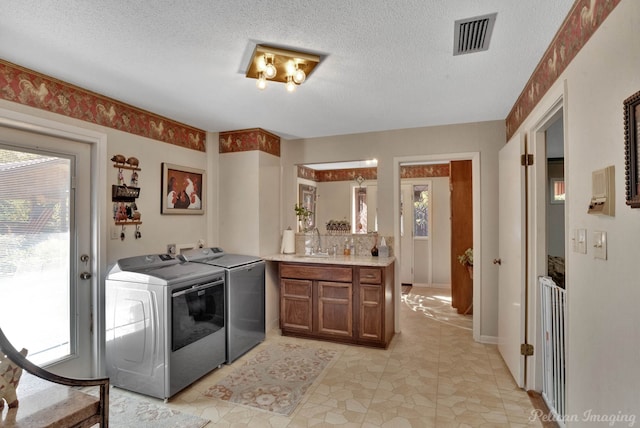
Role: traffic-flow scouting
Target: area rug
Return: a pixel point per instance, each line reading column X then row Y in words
column 275, row 379
column 126, row 411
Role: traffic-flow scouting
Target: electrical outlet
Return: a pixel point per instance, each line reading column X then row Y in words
column 171, row 249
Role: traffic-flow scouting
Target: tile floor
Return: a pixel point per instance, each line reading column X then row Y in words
column 432, row 375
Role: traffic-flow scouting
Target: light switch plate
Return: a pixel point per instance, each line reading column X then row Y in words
column 600, row 245
column 580, row 241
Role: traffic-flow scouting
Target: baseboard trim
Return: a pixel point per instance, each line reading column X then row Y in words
column 491, row 340
column 434, row 285
column 543, row 413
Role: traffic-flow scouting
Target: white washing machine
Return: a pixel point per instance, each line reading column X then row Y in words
column 165, row 323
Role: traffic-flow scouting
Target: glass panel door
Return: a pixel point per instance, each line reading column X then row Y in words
column 35, row 245
column 45, row 217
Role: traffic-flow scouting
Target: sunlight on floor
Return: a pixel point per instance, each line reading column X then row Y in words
column 436, row 305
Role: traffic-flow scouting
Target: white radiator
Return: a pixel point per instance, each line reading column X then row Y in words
column 553, row 335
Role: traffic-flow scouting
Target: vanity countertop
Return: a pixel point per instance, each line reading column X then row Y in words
column 333, row 260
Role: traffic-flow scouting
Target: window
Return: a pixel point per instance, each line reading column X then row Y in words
column 360, row 210
column 557, row 190
column 35, row 218
column 421, row 210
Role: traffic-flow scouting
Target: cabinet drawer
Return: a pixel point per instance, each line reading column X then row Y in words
column 296, row 288
column 322, row 272
column 370, row 276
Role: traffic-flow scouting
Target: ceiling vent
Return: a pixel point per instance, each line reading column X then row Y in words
column 473, row 34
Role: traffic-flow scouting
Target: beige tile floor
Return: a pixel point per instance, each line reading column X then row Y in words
column 432, row 375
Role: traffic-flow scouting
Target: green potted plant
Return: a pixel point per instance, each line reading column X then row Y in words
column 466, row 259
column 304, row 217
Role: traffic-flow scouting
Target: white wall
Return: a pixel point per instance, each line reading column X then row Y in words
column 441, row 230
column 485, row 137
column 603, row 373
column 270, row 232
column 333, row 202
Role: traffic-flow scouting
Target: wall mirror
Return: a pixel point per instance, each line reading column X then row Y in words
column 344, row 191
column 632, row 147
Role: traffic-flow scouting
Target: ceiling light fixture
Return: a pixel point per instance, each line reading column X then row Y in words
column 280, row 65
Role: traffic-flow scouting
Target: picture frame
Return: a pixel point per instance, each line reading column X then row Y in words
column 182, row 190
column 632, row 149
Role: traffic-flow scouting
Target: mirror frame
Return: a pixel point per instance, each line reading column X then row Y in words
column 631, row 149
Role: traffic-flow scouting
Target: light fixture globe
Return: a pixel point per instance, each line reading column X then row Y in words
column 299, row 75
column 269, row 68
column 261, row 83
column 291, row 86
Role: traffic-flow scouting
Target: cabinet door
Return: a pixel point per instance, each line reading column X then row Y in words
column 296, row 304
column 371, row 320
column 335, row 308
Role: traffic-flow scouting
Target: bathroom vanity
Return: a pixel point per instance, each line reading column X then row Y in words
column 347, row 299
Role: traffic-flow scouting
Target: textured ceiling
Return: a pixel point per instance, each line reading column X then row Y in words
column 386, row 64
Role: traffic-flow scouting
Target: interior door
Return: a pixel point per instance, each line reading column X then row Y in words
column 461, row 194
column 45, row 275
column 511, row 241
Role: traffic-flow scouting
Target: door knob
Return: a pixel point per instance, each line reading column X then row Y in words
column 497, row 261
column 85, row 275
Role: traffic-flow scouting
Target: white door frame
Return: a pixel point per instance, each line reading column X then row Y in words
column 477, row 239
column 98, row 142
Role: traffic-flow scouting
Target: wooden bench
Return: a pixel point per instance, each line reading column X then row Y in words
column 50, row 400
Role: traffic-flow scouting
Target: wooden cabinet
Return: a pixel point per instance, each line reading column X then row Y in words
column 371, row 304
column 350, row 304
column 335, row 308
column 296, row 304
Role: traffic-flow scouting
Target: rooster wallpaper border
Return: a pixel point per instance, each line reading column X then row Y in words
column 582, row 21
column 24, row 86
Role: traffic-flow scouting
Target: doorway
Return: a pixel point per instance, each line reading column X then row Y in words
column 546, row 371
column 51, row 224
column 415, row 232
column 532, row 240
column 474, row 157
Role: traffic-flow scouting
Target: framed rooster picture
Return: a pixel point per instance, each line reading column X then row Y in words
column 632, row 149
column 183, row 190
